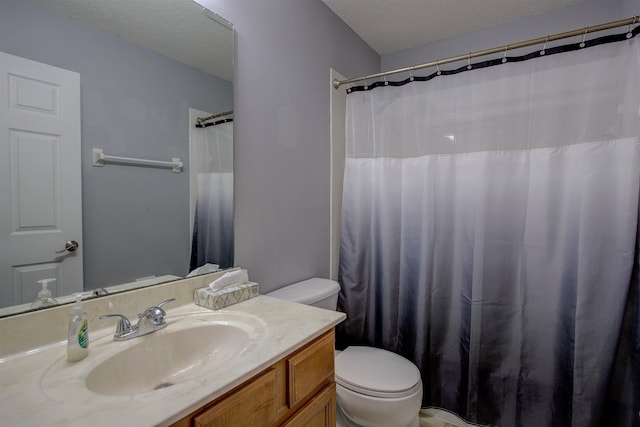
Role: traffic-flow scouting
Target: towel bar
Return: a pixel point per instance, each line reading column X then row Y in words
column 99, row 159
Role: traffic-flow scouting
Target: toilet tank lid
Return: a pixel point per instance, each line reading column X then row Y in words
column 308, row 291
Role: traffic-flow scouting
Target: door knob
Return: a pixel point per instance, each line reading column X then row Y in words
column 70, row 246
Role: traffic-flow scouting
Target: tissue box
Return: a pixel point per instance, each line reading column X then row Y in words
column 234, row 294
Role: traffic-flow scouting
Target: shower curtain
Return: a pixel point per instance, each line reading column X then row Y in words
column 489, row 235
column 212, row 154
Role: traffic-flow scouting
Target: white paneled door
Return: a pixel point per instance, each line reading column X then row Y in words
column 40, row 187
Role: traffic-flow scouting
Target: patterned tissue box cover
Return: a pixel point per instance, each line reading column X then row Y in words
column 230, row 295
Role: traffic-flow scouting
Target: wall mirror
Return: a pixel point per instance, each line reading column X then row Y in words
column 127, row 80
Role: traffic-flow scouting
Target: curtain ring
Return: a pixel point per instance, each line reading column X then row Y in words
column 630, row 33
column 438, row 72
column 584, row 36
column 386, row 83
column 504, row 58
column 469, row 61
column 411, row 78
column 544, row 48
column 366, row 84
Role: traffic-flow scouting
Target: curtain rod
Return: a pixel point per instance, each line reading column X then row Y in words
column 581, row 32
column 213, row 116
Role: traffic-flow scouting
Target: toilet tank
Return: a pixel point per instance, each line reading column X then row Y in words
column 322, row 293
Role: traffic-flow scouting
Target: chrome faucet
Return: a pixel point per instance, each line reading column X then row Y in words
column 151, row 320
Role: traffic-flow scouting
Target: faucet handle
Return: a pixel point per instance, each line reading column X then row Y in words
column 166, row 302
column 123, row 328
column 155, row 312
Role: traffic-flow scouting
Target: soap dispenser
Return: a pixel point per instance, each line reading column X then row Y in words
column 78, row 339
column 44, row 298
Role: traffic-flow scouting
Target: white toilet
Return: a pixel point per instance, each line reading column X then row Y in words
column 375, row 387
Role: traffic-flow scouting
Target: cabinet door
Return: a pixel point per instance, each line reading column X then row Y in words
column 253, row 405
column 319, row 412
column 310, row 369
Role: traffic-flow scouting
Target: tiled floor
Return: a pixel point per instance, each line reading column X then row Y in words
column 440, row 418
column 431, row 418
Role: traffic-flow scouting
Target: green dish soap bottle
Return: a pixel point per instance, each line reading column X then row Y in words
column 78, row 339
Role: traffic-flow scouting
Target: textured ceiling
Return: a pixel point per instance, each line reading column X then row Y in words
column 389, row 26
column 178, row 29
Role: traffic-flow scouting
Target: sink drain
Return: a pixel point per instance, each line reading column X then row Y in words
column 162, row 385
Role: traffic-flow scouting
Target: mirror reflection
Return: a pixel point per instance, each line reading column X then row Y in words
column 108, row 180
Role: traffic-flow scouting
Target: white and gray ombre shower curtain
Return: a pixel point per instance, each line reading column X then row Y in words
column 489, row 235
column 212, row 241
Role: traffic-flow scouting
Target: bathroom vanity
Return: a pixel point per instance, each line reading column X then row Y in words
column 273, row 365
column 298, row 390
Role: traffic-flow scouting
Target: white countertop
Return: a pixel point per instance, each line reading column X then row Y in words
column 27, row 397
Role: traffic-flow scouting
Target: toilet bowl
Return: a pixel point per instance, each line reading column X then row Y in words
column 374, row 387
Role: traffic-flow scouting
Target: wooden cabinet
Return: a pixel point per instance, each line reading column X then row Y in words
column 253, row 405
column 319, row 412
column 298, row 390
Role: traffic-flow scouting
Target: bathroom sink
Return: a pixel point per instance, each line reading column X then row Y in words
column 194, row 345
column 162, row 360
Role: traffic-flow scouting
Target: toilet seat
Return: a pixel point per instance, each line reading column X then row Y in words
column 376, row 372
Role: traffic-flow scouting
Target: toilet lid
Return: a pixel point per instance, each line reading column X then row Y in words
column 376, row 372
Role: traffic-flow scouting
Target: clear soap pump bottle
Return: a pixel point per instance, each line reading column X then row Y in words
column 44, row 298
column 78, row 339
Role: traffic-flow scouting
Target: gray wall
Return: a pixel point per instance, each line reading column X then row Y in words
column 134, row 103
column 284, row 50
column 630, row 8
column 589, row 12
